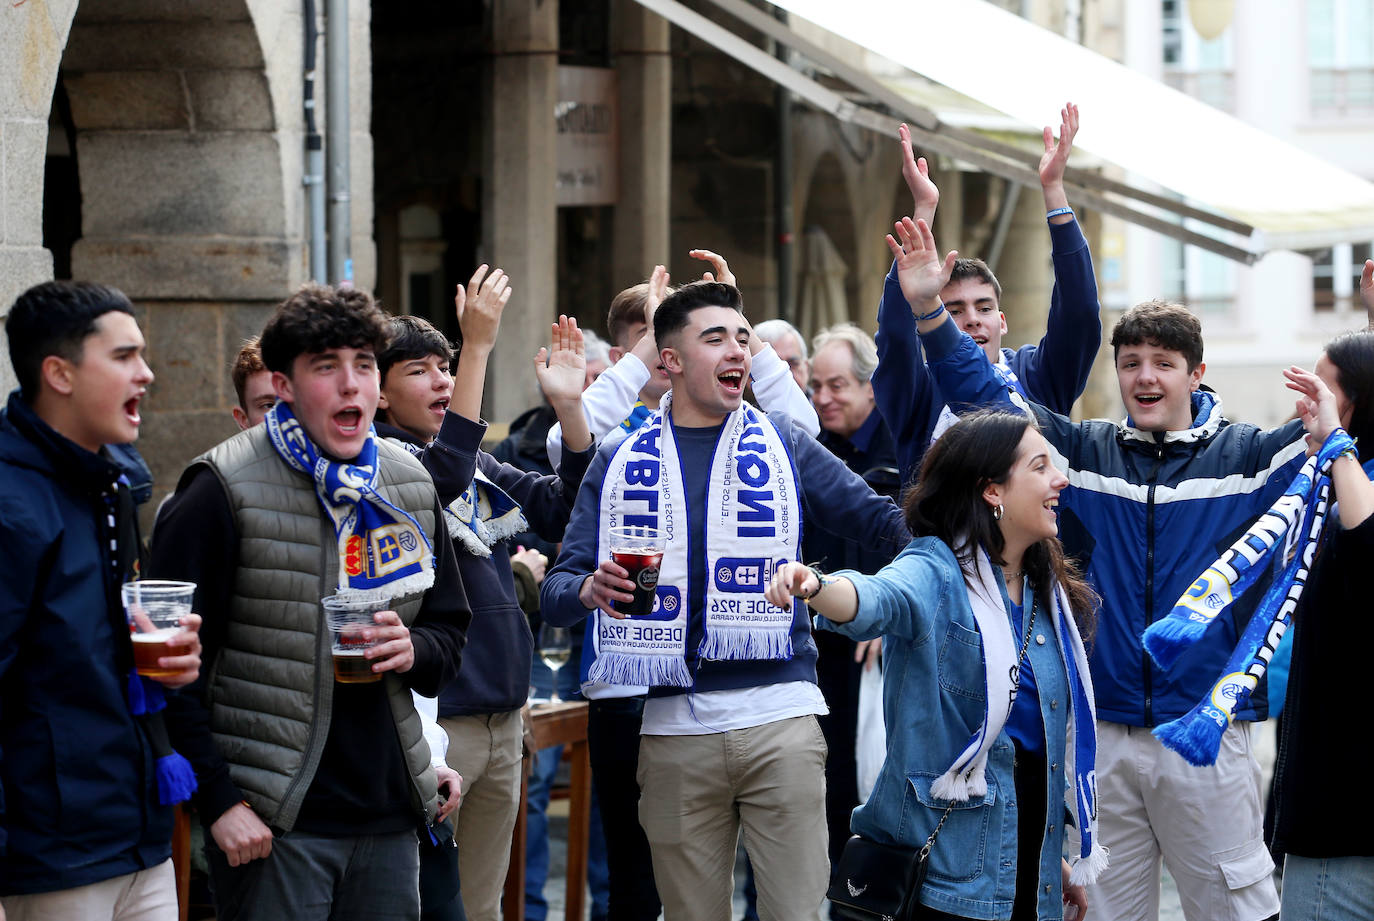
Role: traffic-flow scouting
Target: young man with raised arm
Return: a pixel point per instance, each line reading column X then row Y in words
column 1151, row 502
column 1053, row 372
column 729, row 735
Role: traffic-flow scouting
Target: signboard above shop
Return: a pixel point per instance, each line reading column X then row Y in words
column 585, row 118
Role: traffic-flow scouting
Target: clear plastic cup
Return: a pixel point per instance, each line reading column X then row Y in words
column 155, row 609
column 347, row 616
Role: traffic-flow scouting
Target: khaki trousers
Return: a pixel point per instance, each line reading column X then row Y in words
column 486, row 750
column 148, row 895
column 697, row 794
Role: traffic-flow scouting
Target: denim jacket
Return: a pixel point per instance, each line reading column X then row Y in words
column 933, row 699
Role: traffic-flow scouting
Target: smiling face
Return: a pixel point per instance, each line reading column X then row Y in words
column 1157, row 386
column 708, row 361
column 973, row 304
column 416, row 395
column 96, row 399
column 842, row 401
column 1030, row 495
column 334, row 395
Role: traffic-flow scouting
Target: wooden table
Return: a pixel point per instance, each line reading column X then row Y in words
column 556, row 724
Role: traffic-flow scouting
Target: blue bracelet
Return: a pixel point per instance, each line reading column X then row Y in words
column 932, row 315
column 1058, row 211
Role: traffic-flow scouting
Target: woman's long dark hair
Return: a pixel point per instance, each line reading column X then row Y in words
column 947, row 502
column 1353, row 356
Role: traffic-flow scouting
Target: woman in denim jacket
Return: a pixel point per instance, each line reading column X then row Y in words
column 989, row 717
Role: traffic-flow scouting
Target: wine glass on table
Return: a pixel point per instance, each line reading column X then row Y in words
column 555, row 648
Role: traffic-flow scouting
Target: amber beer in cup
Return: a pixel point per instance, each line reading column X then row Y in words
column 155, row 609
column 639, row 551
column 348, row 615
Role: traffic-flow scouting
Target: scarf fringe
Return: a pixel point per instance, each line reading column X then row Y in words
column 959, row 787
column 466, row 536
column 1194, row 736
column 412, row 584
column 176, row 780
column 1084, row 871
column 646, row 671
column 1168, row 639
column 746, row 643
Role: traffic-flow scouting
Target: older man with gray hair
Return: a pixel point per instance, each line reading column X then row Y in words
column 843, row 360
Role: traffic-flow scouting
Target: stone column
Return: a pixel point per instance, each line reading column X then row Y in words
column 519, row 214
column 31, row 40
column 644, row 75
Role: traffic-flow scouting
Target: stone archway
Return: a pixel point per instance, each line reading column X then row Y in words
column 185, row 124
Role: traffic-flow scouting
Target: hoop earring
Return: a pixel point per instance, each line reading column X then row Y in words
column 998, row 512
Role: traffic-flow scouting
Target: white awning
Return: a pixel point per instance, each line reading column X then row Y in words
column 1242, row 192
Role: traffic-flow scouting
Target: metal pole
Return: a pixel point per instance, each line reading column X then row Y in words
column 782, row 190
column 336, row 150
column 314, row 153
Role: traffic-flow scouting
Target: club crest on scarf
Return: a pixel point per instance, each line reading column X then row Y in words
column 380, row 545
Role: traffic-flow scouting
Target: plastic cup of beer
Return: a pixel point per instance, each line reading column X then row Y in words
column 639, row 551
column 348, row 615
column 155, row 609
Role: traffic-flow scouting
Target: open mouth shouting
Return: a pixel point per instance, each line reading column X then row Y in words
column 732, row 381
column 439, row 407
column 131, row 409
column 349, row 421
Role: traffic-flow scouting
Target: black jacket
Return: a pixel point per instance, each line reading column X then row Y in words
column 78, row 803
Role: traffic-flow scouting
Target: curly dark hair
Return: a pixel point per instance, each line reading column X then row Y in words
column 1159, row 323
column 318, row 318
column 947, row 502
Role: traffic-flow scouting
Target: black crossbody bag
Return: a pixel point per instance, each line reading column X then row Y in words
column 882, row 882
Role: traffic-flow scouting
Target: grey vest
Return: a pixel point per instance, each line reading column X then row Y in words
column 271, row 690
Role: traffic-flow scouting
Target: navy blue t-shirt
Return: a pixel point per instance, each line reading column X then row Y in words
column 1024, row 724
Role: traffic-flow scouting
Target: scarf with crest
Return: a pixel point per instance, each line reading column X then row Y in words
column 381, row 547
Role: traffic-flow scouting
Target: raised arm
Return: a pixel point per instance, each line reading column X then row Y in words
column 1055, row 371
column 1367, row 290
column 1320, row 416
column 562, row 372
column 925, row 196
column 1055, row 159
column 479, row 311
column 609, row 399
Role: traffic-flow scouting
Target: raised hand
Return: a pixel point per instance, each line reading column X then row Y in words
column 1367, row 290
column 479, row 308
column 1317, row 406
column 722, row 271
column 1056, row 158
column 924, row 193
column 646, row 349
column 562, row 367
column 919, row 270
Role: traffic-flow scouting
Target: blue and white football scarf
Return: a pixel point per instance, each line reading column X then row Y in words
column 483, row 516
column 967, row 776
column 753, row 523
column 380, row 546
column 1299, row 515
